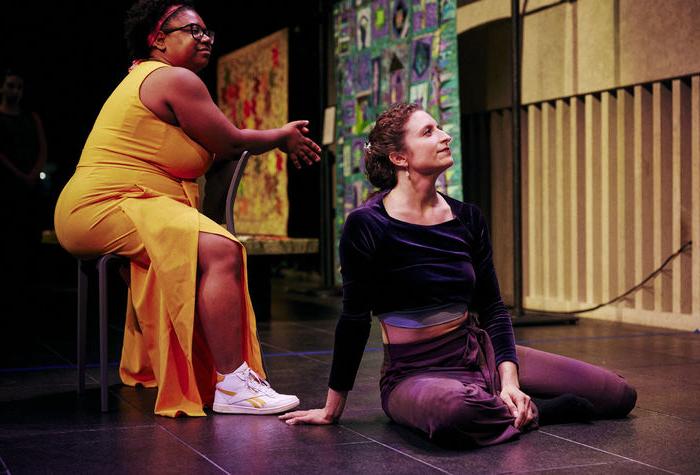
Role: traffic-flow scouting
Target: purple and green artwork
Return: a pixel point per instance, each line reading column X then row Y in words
column 392, row 51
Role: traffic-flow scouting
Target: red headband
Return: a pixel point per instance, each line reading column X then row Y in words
column 168, row 13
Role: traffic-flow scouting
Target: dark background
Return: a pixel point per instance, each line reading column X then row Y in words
column 73, row 54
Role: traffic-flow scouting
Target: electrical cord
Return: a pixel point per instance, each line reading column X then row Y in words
column 682, row 249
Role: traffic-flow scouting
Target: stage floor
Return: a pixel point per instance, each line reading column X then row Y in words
column 46, row 428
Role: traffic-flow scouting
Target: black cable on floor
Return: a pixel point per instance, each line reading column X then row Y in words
column 682, row 249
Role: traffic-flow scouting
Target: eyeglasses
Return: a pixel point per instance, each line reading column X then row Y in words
column 197, row 31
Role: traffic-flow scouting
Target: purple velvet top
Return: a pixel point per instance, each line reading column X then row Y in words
column 391, row 265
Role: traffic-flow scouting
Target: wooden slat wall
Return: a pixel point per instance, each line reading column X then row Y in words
column 695, row 188
column 561, row 183
column 534, row 272
column 626, row 189
column 502, row 201
column 611, row 188
column 643, row 209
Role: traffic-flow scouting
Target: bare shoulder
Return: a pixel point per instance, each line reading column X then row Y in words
column 168, row 92
column 174, row 78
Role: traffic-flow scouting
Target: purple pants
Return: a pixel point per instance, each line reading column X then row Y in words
column 448, row 386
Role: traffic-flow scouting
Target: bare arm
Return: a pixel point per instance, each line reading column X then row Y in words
column 357, row 250
column 518, row 403
column 7, row 163
column 179, row 96
column 24, row 177
column 41, row 154
column 30, row 177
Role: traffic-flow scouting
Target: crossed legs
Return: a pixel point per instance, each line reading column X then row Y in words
column 451, row 408
column 457, row 406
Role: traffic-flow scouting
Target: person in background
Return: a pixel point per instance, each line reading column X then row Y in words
column 22, row 158
column 190, row 326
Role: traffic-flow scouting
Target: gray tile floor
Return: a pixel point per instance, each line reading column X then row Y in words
column 45, row 428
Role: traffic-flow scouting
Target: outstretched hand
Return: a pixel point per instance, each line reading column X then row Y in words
column 311, row 416
column 298, row 146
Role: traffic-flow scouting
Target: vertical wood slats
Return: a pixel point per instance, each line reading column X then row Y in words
column 561, row 190
column 695, row 187
column 611, row 188
column 534, row 208
column 525, row 202
column 626, row 198
column 544, row 195
column 643, row 187
column 608, row 196
column 662, row 191
column 578, row 200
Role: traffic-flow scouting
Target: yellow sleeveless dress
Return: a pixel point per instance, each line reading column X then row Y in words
column 134, row 194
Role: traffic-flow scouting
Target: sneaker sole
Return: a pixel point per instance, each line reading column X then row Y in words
column 231, row 409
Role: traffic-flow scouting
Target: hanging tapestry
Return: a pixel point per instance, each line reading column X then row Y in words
column 391, row 51
column 252, row 87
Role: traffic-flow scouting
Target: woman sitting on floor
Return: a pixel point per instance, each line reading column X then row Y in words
column 421, row 262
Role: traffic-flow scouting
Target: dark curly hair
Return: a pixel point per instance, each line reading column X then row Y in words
column 387, row 136
column 142, row 17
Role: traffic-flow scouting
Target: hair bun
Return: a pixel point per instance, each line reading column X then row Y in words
column 386, row 136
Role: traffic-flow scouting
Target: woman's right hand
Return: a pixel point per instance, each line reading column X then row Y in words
column 297, row 145
column 311, row 416
column 335, row 404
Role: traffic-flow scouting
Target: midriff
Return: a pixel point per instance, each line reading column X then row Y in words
column 398, row 335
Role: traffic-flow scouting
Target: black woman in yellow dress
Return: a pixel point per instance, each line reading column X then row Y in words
column 190, row 326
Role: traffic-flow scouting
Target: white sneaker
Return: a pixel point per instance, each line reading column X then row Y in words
column 244, row 392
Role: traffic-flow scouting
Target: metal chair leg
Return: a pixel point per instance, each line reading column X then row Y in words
column 82, row 322
column 102, row 268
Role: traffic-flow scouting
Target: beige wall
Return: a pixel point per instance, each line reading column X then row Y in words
column 611, row 152
column 574, row 48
